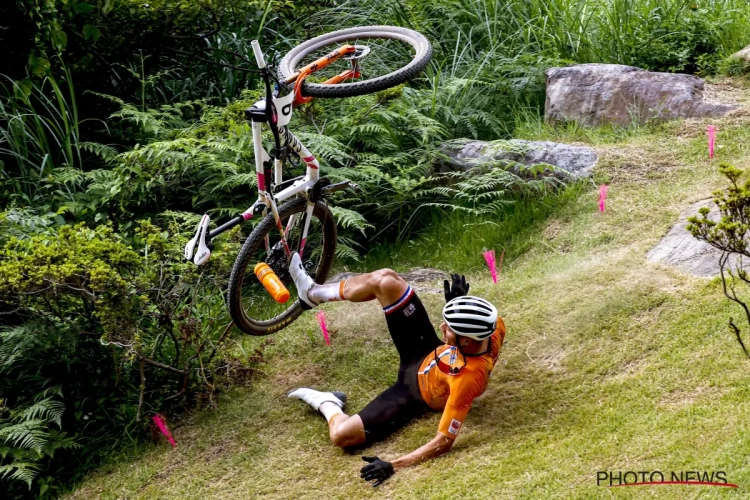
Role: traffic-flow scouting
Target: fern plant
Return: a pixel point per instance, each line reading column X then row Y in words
column 30, row 434
column 30, row 420
column 489, row 188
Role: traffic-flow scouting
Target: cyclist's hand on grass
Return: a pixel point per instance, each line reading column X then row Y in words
column 376, row 469
column 459, row 288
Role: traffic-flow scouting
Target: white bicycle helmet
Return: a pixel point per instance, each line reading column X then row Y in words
column 470, row 317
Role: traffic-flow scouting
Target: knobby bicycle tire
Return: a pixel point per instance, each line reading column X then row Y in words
column 252, row 326
column 423, row 48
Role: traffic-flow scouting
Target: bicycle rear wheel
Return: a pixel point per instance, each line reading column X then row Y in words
column 250, row 306
column 395, row 55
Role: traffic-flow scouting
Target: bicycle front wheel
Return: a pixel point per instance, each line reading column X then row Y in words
column 392, row 55
column 250, row 306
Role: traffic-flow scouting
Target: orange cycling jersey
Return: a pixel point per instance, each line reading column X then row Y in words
column 444, row 384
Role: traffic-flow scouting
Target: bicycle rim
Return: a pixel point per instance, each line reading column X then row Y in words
column 395, row 55
column 252, row 308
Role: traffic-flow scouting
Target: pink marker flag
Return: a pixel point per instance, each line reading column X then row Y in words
column 162, row 425
column 602, row 196
column 489, row 257
column 321, row 317
column 711, row 140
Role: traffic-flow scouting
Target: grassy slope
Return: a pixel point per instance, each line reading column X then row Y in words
column 611, row 363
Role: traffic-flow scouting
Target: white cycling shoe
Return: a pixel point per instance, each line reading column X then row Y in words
column 302, row 281
column 316, row 398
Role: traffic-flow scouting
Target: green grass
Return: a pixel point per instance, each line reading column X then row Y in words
column 611, row 362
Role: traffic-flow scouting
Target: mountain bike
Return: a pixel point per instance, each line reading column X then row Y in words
column 295, row 217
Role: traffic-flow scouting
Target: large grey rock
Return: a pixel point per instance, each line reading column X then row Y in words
column 596, row 94
column 743, row 55
column 680, row 249
column 421, row 279
column 574, row 161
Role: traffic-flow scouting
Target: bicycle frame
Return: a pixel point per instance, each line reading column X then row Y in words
column 276, row 112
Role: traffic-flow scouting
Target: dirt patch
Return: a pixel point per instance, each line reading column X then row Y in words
column 553, row 229
column 725, row 92
column 308, row 375
column 687, row 397
column 635, row 165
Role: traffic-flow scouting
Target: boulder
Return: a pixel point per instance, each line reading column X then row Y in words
column 574, row 161
column 421, row 279
column 742, row 55
column 680, row 249
column 597, row 94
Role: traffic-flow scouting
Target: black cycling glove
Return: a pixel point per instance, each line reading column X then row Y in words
column 459, row 289
column 376, row 469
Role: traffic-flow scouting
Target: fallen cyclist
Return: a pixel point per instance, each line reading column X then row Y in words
column 432, row 375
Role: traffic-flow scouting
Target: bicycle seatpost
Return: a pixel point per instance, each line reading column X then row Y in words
column 270, row 110
column 258, row 54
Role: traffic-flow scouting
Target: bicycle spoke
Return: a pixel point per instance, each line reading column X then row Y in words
column 256, row 301
column 386, row 55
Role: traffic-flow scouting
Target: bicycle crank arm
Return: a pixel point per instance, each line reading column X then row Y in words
column 339, row 186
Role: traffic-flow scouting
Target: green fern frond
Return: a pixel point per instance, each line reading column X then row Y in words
column 101, row 150
column 46, row 410
column 350, row 219
column 20, row 471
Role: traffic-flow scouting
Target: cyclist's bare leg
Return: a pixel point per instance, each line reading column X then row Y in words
column 384, row 285
column 345, row 430
column 387, row 287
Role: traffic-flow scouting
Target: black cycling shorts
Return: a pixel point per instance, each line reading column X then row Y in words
column 415, row 338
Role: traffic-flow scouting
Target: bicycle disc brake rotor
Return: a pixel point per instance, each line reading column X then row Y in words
column 360, row 52
column 277, row 261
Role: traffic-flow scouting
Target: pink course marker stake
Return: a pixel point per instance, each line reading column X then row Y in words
column 162, row 425
column 321, row 317
column 711, row 141
column 602, row 196
column 489, row 257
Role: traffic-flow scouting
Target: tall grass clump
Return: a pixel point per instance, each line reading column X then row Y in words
column 490, row 55
column 39, row 135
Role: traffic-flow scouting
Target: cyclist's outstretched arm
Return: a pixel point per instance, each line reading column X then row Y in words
column 437, row 446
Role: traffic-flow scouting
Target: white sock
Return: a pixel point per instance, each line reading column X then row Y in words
column 329, row 409
column 329, row 292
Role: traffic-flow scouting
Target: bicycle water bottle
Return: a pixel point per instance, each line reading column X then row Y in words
column 271, row 282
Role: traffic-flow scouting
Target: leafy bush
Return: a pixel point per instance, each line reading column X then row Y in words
column 99, row 330
column 730, row 235
column 675, row 41
column 200, row 48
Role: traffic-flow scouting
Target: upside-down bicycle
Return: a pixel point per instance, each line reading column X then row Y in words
column 294, row 215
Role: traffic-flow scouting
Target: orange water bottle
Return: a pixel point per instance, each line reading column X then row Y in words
column 271, row 282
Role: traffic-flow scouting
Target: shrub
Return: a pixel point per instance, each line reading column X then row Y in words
column 730, row 235
column 100, row 329
column 196, row 46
